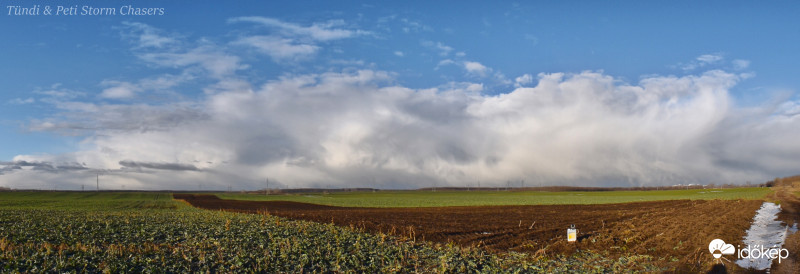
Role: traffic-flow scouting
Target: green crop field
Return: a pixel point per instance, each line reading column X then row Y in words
column 483, row 198
column 150, row 232
column 92, row 201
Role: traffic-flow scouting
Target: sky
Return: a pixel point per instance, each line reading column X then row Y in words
column 210, row 95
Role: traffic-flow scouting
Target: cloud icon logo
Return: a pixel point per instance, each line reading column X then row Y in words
column 718, row 248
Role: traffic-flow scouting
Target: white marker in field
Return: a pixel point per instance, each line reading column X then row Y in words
column 572, row 233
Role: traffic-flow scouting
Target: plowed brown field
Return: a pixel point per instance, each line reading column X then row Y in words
column 676, row 231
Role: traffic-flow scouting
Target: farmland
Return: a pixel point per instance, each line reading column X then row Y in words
column 150, row 232
column 391, row 231
column 674, row 231
column 490, row 198
column 86, row 201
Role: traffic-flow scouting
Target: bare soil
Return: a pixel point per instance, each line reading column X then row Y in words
column 677, row 233
column 790, row 215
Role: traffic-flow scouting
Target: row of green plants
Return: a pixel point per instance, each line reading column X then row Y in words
column 184, row 239
column 489, row 198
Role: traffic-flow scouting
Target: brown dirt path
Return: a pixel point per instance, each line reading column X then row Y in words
column 785, row 193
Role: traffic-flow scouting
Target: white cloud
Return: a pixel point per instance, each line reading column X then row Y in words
column 475, row 68
column 318, row 31
column 356, row 129
column 474, row 88
column 20, row 101
column 443, row 49
column 56, row 92
column 445, row 62
column 789, row 109
column 195, row 58
column 523, row 80
column 702, row 61
column 709, row 58
column 293, row 42
column 500, row 78
column 147, row 36
column 165, row 81
column 414, row 26
column 82, row 118
column 468, row 88
column 280, row 49
column 399, row 53
column 118, row 90
column 208, row 57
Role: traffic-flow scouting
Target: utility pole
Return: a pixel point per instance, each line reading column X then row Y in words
column 98, row 181
column 266, row 191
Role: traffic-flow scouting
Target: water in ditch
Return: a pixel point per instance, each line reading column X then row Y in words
column 766, row 232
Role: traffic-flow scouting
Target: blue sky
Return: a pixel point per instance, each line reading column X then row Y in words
column 87, row 94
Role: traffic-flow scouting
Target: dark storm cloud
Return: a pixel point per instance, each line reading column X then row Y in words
column 41, row 166
column 162, row 166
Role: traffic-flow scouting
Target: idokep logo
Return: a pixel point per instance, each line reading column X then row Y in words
column 718, row 248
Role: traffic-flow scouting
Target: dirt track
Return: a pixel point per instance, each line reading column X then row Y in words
column 662, row 229
column 790, row 215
